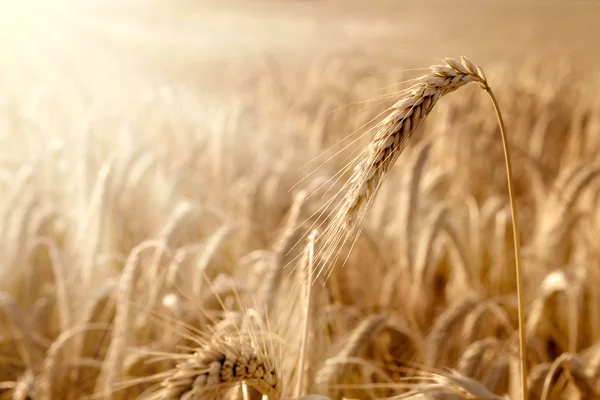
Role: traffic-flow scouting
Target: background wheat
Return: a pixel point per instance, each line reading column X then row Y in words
column 153, row 206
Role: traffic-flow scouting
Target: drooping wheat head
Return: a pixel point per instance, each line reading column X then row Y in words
column 392, row 134
column 374, row 163
column 217, row 365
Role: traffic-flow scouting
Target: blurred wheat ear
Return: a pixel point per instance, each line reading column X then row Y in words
column 375, row 162
column 217, row 364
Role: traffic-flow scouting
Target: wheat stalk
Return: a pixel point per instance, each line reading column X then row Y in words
column 304, row 346
column 376, row 160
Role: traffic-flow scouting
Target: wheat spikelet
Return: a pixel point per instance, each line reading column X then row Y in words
column 217, row 365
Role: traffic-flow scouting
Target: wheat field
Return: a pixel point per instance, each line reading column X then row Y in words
column 173, row 210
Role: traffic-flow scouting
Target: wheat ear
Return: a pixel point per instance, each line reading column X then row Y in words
column 218, row 364
column 393, row 132
column 390, row 139
column 516, row 242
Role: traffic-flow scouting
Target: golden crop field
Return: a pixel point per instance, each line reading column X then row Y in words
column 299, row 199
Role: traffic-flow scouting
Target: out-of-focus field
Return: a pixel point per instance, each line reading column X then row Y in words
column 156, row 196
column 203, row 39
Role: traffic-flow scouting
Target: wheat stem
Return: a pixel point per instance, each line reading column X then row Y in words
column 517, row 243
column 310, row 248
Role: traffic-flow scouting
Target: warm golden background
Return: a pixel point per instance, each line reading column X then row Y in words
column 156, row 188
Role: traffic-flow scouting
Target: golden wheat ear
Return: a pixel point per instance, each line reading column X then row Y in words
column 375, row 162
column 405, row 116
